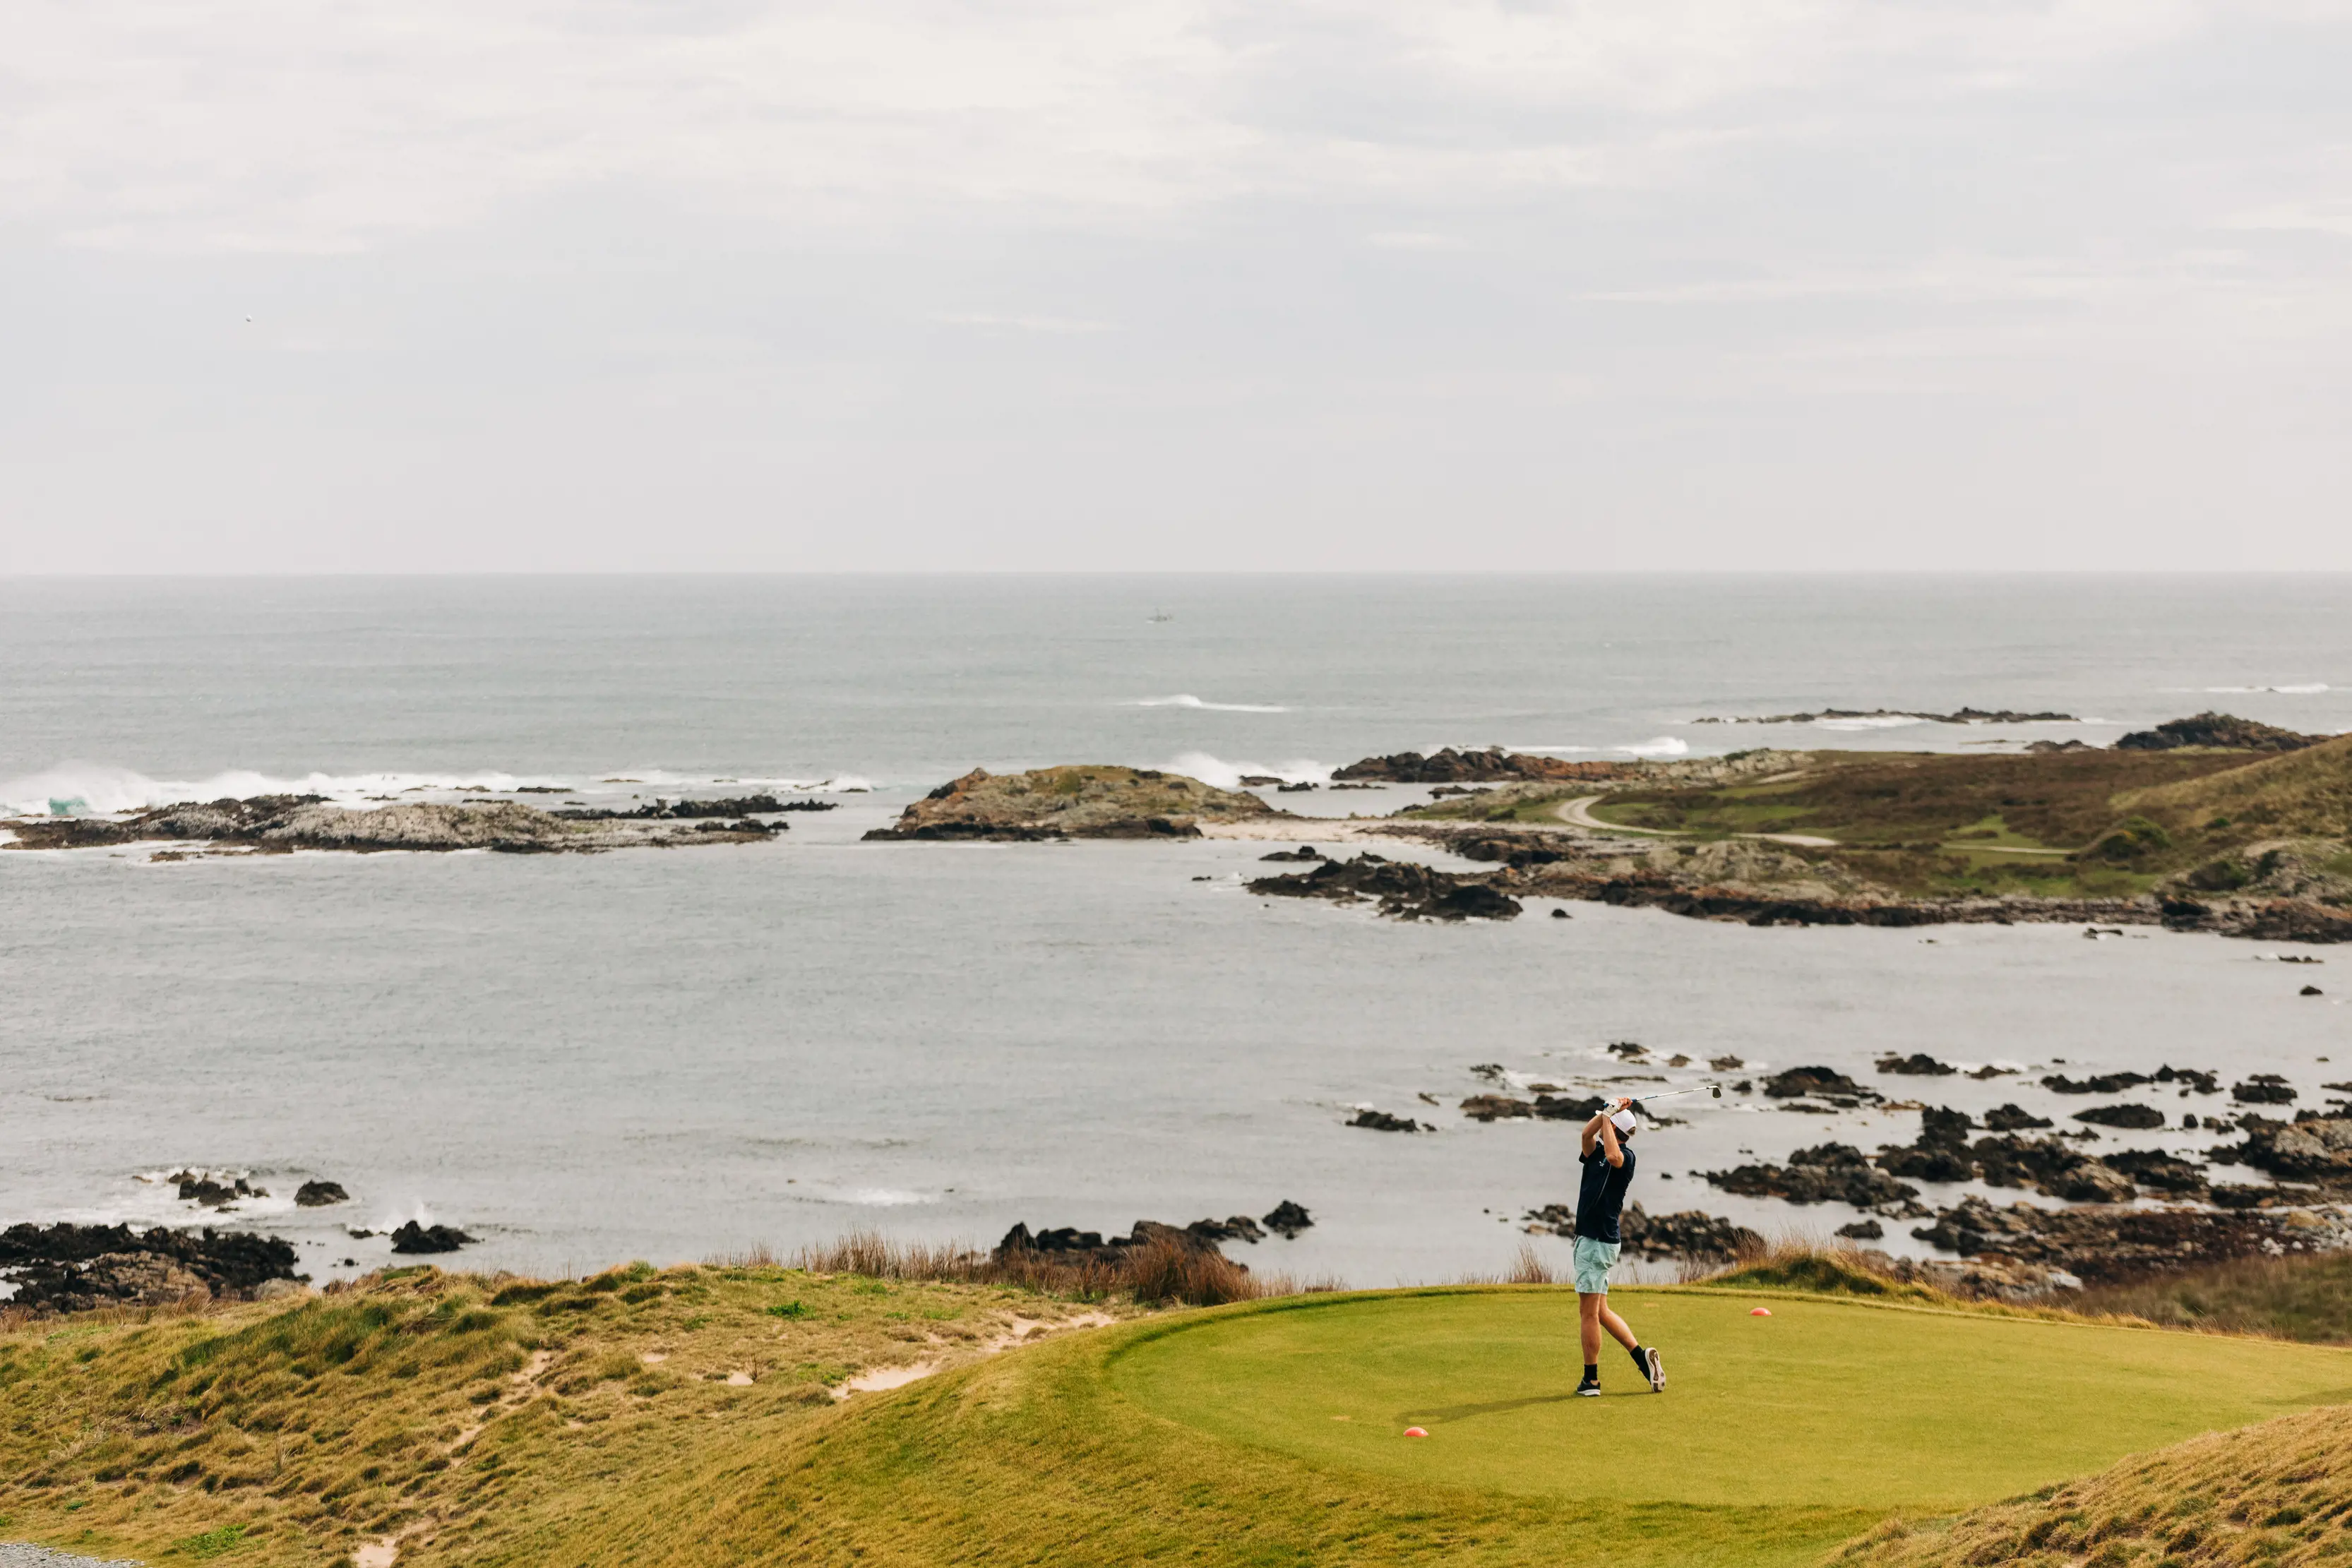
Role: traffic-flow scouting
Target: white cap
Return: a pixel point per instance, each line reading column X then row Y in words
column 1625, row 1120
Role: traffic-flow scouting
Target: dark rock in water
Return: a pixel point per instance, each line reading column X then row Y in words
column 1303, row 853
column 2134, row 1118
column 2051, row 1168
column 1287, row 1220
column 2104, row 1083
column 2043, row 747
column 1557, row 913
column 1928, row 1161
column 2191, row 1077
column 74, row 1268
column 1234, row 1227
column 2218, row 729
column 1564, row 1109
column 1820, row 1082
column 1492, row 1072
column 2311, row 991
column 2013, row 1119
column 671, row 811
column 2166, row 1173
column 1491, row 1107
column 1855, row 1184
column 1862, row 1230
column 415, row 1238
column 1830, row 1156
column 1404, row 888
column 1259, row 780
column 1919, row 1064
column 319, row 1194
column 1301, row 787
column 1690, row 1234
column 1940, row 1126
column 1381, row 1122
column 1491, row 766
column 1990, row 1071
column 198, row 1187
column 2262, row 1089
column 2318, row 1150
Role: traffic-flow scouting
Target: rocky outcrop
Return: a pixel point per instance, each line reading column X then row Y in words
column 1831, row 1173
column 2100, row 1246
column 70, row 1268
column 2262, row 1089
column 1083, row 801
column 320, row 1195
column 1964, row 715
column 1820, row 1083
column 2222, row 730
column 1405, row 889
column 2130, row 1117
column 1491, row 766
column 416, row 1236
column 1919, row 1064
column 282, row 823
column 1287, row 1219
column 2314, row 1149
column 1381, row 1122
column 1692, row 1233
column 662, row 810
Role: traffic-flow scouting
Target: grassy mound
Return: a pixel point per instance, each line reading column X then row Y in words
column 2279, row 1493
column 1082, row 800
column 2295, row 793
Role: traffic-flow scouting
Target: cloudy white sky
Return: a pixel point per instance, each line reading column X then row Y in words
column 464, row 285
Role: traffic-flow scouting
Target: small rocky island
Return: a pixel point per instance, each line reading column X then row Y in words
column 280, row 824
column 1086, row 800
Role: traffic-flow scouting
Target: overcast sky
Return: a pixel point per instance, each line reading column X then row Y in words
column 468, row 285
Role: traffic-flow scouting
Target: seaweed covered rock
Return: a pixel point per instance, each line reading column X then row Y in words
column 1820, row 1083
column 1691, row 1233
column 1405, row 889
column 1831, row 1173
column 1381, row 1122
column 1287, row 1219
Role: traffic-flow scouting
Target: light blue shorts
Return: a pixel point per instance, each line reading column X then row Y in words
column 1594, row 1260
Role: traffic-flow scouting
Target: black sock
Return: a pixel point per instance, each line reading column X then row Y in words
column 1592, row 1372
column 1641, row 1363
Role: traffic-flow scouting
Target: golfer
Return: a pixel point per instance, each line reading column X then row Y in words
column 1608, row 1171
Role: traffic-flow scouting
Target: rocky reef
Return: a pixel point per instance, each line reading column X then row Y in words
column 283, row 823
column 1963, row 716
column 68, row 1268
column 1404, row 890
column 1491, row 766
column 1691, row 1233
column 1067, row 1244
column 1081, row 801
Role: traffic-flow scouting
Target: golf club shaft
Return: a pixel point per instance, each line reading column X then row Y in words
column 1670, row 1093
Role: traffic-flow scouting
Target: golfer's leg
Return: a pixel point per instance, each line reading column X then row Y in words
column 1617, row 1327
column 1590, row 1309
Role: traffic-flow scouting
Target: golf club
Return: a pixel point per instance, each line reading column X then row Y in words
column 1713, row 1088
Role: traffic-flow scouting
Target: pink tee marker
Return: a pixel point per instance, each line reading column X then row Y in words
column 1759, row 1311
column 1415, row 1432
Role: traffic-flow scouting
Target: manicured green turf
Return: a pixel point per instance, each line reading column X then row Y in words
column 1825, row 1403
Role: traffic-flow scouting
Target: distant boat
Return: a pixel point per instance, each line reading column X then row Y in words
column 1160, row 615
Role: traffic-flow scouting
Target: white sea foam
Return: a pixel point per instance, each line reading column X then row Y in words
column 1662, row 745
column 1872, row 721
column 1186, row 699
column 1226, row 775
column 97, row 788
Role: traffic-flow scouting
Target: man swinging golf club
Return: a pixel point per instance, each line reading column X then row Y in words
column 1608, row 1172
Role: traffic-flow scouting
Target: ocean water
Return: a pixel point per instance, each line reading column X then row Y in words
column 672, row 1053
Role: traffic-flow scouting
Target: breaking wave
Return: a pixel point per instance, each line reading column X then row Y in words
column 1227, row 775
column 1875, row 721
column 1662, row 745
column 96, row 788
column 2311, row 689
column 1186, row 699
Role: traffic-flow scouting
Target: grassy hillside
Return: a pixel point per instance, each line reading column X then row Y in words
column 475, row 1419
column 2279, row 1493
column 688, row 1417
column 2298, row 793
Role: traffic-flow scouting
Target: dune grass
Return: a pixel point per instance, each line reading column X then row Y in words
column 473, row 1418
column 2306, row 1297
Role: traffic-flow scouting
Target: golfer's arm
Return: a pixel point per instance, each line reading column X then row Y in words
column 1608, row 1141
column 1591, row 1135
